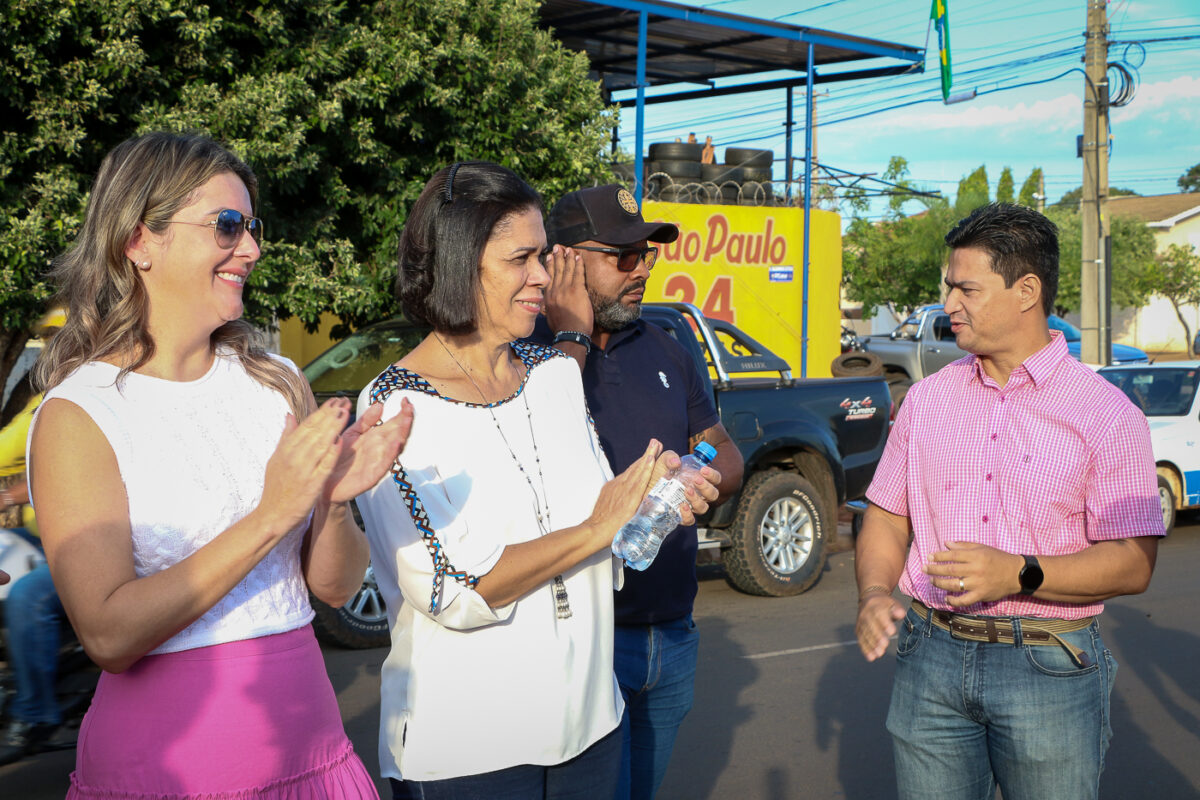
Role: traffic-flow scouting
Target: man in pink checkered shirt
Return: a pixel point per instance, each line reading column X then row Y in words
column 1028, row 485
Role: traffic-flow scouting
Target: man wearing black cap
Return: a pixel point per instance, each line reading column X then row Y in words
column 640, row 383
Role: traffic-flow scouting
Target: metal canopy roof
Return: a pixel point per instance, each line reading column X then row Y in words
column 635, row 44
column 690, row 45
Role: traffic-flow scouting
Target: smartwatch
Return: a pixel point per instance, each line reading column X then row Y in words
column 574, row 336
column 1031, row 576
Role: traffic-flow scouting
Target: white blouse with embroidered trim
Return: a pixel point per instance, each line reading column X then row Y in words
column 466, row 688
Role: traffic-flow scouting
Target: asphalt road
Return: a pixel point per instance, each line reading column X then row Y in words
column 787, row 708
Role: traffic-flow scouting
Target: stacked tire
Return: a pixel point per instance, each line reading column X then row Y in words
column 857, row 364
column 673, row 171
column 673, row 174
column 755, row 175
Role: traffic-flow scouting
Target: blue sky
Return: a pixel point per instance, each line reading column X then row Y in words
column 995, row 45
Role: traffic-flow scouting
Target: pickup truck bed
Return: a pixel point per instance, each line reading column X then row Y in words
column 809, row 446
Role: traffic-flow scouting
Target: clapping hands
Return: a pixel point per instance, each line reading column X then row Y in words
column 367, row 451
column 322, row 458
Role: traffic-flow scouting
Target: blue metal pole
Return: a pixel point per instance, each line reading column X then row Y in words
column 787, row 150
column 808, row 167
column 638, row 188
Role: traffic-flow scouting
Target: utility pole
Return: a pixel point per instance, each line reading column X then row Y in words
column 788, row 125
column 1095, row 280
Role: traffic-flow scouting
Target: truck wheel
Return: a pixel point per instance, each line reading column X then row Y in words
column 1166, row 498
column 359, row 624
column 778, row 536
column 856, row 364
column 899, row 391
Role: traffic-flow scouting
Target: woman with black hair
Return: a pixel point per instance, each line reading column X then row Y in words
column 490, row 538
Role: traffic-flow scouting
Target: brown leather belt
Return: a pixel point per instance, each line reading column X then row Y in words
column 1034, row 631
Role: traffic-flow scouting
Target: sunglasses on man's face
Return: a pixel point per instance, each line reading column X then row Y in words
column 627, row 257
column 228, row 227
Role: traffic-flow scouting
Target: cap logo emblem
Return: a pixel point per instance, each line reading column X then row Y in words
column 626, row 202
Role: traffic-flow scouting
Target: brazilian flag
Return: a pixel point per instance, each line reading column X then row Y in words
column 940, row 14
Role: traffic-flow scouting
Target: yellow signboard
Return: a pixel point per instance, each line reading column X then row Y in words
column 745, row 265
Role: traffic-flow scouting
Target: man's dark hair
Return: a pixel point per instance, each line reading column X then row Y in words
column 444, row 238
column 1020, row 242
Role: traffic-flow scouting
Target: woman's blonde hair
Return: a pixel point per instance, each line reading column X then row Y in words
column 143, row 180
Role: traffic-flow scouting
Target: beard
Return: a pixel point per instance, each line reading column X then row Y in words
column 610, row 314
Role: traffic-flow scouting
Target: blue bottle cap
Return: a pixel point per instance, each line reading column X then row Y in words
column 706, row 452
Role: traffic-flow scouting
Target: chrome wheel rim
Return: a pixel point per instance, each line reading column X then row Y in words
column 786, row 535
column 367, row 605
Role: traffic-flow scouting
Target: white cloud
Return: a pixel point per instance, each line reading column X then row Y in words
column 1057, row 114
column 1173, row 96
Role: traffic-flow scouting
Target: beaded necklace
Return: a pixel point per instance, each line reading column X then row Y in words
column 562, row 606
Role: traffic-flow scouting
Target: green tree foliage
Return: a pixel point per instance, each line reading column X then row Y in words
column 1190, row 180
column 1004, row 188
column 343, row 109
column 1132, row 256
column 897, row 261
column 1030, row 189
column 973, row 192
column 1175, row 275
column 1071, row 198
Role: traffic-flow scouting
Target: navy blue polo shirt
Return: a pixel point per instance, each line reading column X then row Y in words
column 645, row 386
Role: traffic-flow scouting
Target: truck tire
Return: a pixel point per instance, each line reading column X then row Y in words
column 676, row 151
column 749, row 157
column 754, row 194
column 1166, row 498
column 678, row 170
column 856, row 364
column 677, row 193
column 778, row 537
column 359, row 624
column 719, row 173
column 757, row 175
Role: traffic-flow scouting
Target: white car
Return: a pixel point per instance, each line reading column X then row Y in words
column 1167, row 392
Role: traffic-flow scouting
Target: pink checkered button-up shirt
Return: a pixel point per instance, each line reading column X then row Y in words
column 1054, row 461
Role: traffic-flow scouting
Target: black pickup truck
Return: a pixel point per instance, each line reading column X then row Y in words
column 810, row 445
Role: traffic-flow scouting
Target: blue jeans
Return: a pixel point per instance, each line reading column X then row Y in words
column 591, row 774
column 33, row 613
column 656, row 669
column 966, row 715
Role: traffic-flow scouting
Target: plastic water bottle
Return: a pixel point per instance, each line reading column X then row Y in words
column 639, row 539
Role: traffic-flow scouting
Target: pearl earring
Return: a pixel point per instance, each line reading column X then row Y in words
column 143, row 265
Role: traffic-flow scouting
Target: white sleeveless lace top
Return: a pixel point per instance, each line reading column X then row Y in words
column 192, row 456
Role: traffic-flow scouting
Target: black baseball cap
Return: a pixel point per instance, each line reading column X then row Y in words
column 606, row 214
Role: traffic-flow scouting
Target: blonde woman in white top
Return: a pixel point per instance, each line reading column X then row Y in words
column 490, row 538
column 185, row 512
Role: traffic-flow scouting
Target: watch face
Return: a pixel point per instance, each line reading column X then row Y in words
column 1031, row 576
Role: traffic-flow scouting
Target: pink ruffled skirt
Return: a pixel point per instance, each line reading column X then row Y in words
column 251, row 719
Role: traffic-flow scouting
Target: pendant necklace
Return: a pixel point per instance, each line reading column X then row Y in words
column 562, row 607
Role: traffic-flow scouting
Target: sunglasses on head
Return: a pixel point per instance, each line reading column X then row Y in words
column 627, row 257
column 228, row 227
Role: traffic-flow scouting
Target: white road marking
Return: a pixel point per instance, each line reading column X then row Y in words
column 799, row 650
